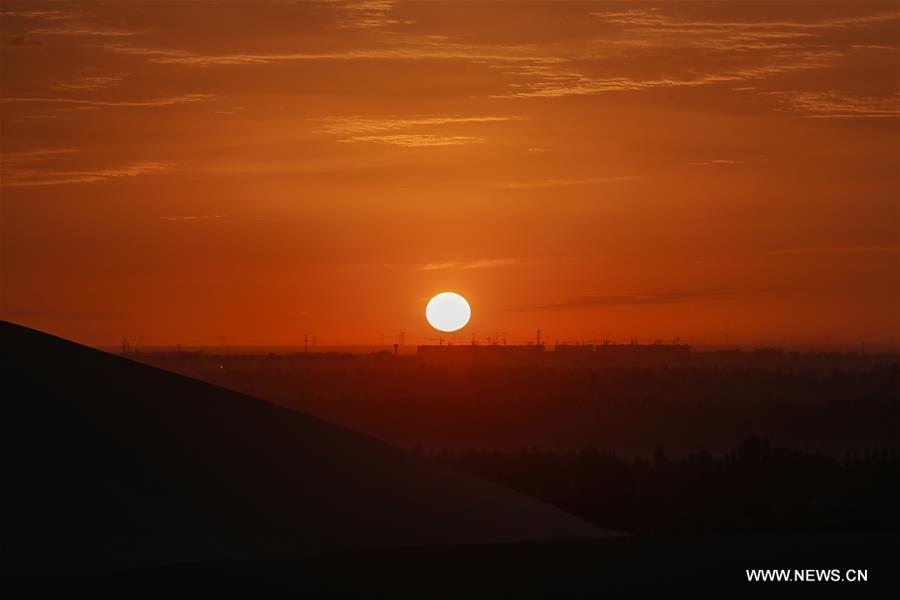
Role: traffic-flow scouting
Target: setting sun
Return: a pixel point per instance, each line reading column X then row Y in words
column 448, row 311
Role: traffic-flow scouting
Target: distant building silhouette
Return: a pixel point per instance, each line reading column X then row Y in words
column 563, row 353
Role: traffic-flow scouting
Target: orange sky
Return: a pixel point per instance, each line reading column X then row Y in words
column 177, row 172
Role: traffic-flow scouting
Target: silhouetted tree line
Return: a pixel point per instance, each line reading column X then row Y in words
column 828, row 401
column 753, row 488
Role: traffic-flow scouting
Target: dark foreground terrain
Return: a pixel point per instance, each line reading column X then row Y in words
column 563, row 400
column 572, row 569
column 113, row 464
column 128, row 479
column 756, row 487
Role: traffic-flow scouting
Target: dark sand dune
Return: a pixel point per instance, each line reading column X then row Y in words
column 110, row 463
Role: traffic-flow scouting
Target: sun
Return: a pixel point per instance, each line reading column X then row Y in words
column 448, row 311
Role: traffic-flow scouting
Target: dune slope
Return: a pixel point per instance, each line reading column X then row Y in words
column 111, row 463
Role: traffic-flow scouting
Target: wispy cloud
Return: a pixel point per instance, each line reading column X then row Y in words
column 369, row 14
column 767, row 49
column 192, row 217
column 542, row 183
column 635, row 299
column 355, row 125
column 89, row 83
column 656, row 18
column 488, row 263
column 48, row 15
column 863, row 249
column 416, row 140
column 425, row 48
column 65, row 23
column 552, row 81
column 83, row 31
column 89, row 104
column 718, row 162
column 428, row 129
column 32, row 155
column 835, row 104
column 15, row 174
column 878, row 47
column 746, row 50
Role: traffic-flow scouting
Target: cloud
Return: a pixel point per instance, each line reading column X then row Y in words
column 89, row 83
column 542, row 183
column 89, row 104
column 634, row 16
column 550, row 81
column 718, row 162
column 193, row 218
column 416, row 140
column 369, row 14
column 489, row 263
column 637, row 299
column 654, row 19
column 452, row 264
column 742, row 51
column 15, row 175
column 837, row 250
column 355, row 125
column 755, row 49
column 873, row 47
column 83, row 31
column 30, row 155
column 71, row 27
column 767, row 49
column 49, row 15
column 835, row 104
column 411, row 49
